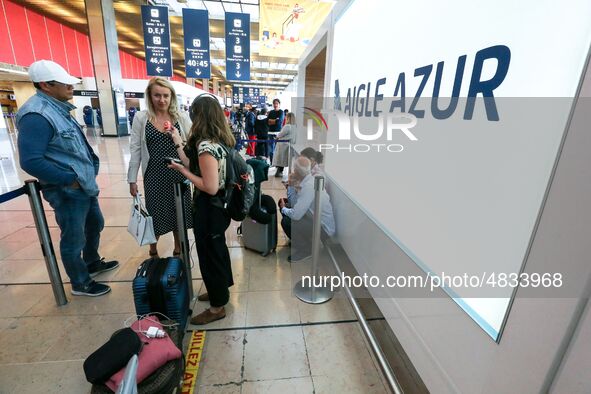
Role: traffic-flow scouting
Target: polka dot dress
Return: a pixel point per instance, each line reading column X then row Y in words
column 159, row 181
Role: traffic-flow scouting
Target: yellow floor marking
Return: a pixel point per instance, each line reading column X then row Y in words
column 193, row 358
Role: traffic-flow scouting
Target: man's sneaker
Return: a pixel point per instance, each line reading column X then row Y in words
column 101, row 266
column 93, row 289
column 298, row 256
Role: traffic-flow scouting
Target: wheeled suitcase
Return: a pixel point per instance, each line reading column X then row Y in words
column 260, row 233
column 160, row 285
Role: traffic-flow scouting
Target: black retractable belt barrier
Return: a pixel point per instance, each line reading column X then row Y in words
column 12, row 194
column 181, row 220
column 31, row 188
column 244, row 140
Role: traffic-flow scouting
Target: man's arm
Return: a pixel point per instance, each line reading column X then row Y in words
column 34, row 135
column 303, row 204
column 280, row 119
column 272, row 121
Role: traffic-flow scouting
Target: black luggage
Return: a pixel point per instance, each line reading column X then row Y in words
column 166, row 379
column 160, row 285
column 259, row 229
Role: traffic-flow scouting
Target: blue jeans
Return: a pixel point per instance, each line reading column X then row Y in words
column 271, row 145
column 81, row 221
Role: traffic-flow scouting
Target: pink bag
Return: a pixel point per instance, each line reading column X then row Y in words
column 155, row 353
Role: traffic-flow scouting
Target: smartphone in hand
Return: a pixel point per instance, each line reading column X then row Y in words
column 170, row 160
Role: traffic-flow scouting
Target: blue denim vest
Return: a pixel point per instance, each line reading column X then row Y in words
column 68, row 146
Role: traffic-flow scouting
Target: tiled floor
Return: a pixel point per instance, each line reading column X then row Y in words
column 269, row 342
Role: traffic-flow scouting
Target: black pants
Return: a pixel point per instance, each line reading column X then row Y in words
column 209, row 226
column 262, row 148
column 301, row 236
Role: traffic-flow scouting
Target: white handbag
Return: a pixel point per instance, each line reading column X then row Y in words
column 140, row 224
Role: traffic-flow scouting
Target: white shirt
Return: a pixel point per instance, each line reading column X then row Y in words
column 305, row 203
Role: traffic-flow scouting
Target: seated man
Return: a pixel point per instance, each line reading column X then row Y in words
column 295, row 216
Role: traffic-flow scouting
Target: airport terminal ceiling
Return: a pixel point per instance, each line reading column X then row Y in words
column 278, row 70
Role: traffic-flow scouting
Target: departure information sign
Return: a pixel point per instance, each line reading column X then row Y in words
column 246, row 95
column 237, row 46
column 157, row 41
column 235, row 95
column 196, row 32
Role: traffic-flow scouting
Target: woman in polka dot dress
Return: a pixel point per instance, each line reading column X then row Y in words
column 150, row 143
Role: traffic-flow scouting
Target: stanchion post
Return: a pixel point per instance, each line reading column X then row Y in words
column 315, row 294
column 181, row 221
column 129, row 383
column 32, row 187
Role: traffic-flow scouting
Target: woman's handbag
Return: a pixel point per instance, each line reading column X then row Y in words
column 140, row 224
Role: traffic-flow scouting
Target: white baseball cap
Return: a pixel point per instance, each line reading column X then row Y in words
column 46, row 70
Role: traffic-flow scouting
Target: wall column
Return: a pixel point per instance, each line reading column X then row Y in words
column 107, row 68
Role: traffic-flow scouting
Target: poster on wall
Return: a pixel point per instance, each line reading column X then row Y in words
column 287, row 27
column 196, row 38
column 237, row 46
column 157, row 41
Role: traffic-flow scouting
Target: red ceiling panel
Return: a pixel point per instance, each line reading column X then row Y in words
column 56, row 41
column 6, row 54
column 19, row 32
column 85, row 56
column 74, row 67
column 39, row 36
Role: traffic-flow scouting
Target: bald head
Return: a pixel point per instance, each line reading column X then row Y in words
column 302, row 166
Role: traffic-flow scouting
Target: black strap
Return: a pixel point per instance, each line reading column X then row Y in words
column 156, row 292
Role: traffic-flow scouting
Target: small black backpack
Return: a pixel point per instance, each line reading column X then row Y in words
column 238, row 194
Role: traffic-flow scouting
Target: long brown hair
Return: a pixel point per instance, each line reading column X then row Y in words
column 173, row 107
column 209, row 123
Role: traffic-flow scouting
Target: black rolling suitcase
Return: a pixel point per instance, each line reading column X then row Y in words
column 160, row 285
column 259, row 229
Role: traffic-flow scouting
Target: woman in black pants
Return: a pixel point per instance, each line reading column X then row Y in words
column 204, row 164
column 261, row 128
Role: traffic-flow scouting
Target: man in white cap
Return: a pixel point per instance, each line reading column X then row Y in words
column 53, row 149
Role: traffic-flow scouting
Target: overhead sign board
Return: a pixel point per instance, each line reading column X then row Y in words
column 86, row 93
column 235, row 95
column 157, row 41
column 237, row 46
column 196, row 36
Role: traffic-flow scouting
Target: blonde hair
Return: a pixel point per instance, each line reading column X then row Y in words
column 209, row 123
column 173, row 107
column 291, row 119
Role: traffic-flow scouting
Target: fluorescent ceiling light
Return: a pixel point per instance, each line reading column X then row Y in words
column 232, row 7
column 8, row 70
column 252, row 10
column 215, row 8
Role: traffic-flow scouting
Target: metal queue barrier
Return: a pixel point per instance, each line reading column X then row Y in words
column 129, row 383
column 31, row 188
column 314, row 294
column 10, row 120
column 247, row 141
column 318, row 295
column 181, row 220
